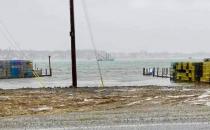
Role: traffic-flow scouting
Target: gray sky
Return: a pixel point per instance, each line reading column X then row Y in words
column 118, row 25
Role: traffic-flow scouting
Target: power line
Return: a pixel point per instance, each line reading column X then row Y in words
column 92, row 39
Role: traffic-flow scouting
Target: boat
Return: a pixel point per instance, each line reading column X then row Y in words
column 106, row 57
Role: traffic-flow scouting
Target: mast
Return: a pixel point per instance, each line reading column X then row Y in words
column 73, row 45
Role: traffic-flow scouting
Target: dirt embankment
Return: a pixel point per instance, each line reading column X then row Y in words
column 61, row 100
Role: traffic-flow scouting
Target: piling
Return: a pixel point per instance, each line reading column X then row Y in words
column 143, row 71
column 153, row 72
column 166, row 71
column 50, row 69
column 162, row 72
column 45, row 71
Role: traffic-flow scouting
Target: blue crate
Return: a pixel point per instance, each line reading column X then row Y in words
column 28, row 73
column 15, row 72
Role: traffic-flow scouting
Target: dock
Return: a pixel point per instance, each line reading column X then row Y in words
column 183, row 71
column 14, row 69
column 157, row 72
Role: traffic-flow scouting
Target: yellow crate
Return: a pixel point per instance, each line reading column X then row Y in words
column 205, row 80
column 192, row 68
column 206, row 74
column 178, row 66
column 206, row 68
column 206, row 71
column 206, row 64
column 188, row 79
column 185, row 79
column 181, row 74
column 180, row 78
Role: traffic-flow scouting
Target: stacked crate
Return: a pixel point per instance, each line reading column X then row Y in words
column 206, row 72
column 28, row 69
column 4, row 69
column 16, row 69
column 187, row 71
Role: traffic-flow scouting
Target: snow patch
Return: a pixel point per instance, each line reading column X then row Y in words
column 4, row 98
column 133, row 103
column 88, row 100
column 181, row 96
column 42, row 108
column 148, row 99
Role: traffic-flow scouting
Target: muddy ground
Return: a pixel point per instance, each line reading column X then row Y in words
column 85, row 106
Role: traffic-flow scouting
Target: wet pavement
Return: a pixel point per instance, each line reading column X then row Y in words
column 168, row 126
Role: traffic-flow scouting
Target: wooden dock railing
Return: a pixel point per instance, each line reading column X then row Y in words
column 157, row 72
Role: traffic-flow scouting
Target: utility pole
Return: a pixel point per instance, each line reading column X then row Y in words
column 73, row 45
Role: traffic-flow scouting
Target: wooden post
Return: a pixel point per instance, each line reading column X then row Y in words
column 143, row 71
column 153, row 72
column 46, row 72
column 149, row 71
column 162, row 72
column 50, row 68
column 7, row 73
column 146, row 71
column 167, row 72
column 73, row 45
column 157, row 72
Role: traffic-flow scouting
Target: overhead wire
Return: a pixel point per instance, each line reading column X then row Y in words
column 9, row 37
column 16, row 46
column 85, row 10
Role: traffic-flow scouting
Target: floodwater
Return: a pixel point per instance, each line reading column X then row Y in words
column 115, row 73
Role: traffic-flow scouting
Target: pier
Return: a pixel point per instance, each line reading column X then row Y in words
column 14, row 69
column 157, row 72
column 43, row 73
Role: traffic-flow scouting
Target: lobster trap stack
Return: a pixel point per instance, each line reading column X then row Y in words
column 16, row 69
column 187, row 71
column 206, row 71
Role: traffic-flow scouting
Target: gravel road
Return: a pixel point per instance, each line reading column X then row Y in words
column 146, row 108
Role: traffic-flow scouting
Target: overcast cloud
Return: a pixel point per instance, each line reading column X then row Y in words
column 118, row 25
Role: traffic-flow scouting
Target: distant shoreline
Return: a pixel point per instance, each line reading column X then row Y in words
column 90, row 54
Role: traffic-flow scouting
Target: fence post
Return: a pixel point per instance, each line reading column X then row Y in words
column 143, row 71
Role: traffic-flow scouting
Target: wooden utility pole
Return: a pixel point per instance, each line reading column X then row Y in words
column 73, row 45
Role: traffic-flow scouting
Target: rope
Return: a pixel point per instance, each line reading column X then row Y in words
column 11, row 40
column 92, row 40
column 8, row 36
